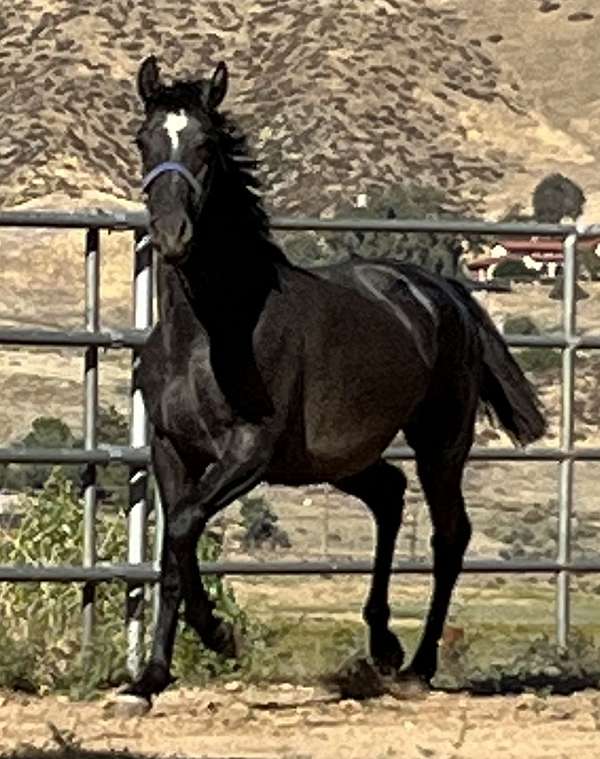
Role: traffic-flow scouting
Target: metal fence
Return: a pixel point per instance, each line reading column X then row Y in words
column 137, row 571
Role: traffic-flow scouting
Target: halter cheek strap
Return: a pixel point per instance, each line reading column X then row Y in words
column 172, row 166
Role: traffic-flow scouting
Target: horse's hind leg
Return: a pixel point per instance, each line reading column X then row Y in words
column 381, row 488
column 441, row 475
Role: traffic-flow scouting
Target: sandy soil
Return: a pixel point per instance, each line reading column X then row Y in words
column 284, row 721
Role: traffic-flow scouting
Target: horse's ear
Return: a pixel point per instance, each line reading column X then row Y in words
column 149, row 78
column 217, row 88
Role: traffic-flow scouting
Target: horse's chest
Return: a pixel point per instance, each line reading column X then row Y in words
column 182, row 400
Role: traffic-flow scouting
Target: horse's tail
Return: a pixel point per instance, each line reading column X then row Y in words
column 504, row 387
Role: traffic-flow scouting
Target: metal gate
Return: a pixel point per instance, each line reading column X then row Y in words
column 137, row 572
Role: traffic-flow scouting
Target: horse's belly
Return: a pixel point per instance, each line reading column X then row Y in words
column 353, row 413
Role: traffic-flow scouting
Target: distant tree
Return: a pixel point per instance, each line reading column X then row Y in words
column 113, row 426
column 555, row 197
column 514, row 269
column 51, row 432
column 113, row 429
column 260, row 522
column 46, row 432
column 437, row 252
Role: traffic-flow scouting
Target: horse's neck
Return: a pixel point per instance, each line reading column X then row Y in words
column 231, row 268
column 225, row 292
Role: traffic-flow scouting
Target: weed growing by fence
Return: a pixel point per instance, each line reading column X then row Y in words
column 40, row 636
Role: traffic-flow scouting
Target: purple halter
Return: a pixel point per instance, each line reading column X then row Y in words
column 172, row 166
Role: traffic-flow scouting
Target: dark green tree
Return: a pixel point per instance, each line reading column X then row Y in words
column 45, row 432
column 437, row 252
column 51, row 432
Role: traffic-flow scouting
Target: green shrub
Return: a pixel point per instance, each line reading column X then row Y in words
column 590, row 262
column 539, row 360
column 41, row 621
column 435, row 251
column 45, row 432
column 306, row 249
column 513, row 268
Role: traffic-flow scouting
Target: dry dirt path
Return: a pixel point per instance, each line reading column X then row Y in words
column 285, row 721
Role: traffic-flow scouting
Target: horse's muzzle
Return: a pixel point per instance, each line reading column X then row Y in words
column 171, row 234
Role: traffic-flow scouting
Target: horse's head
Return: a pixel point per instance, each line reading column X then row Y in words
column 178, row 147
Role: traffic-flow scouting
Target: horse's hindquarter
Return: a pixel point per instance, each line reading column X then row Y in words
column 361, row 374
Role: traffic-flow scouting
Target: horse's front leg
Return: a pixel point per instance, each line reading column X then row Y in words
column 188, row 503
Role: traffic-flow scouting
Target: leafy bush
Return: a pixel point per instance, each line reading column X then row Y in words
column 45, row 432
column 589, row 262
column 437, row 252
column 306, row 249
column 41, row 622
column 539, row 360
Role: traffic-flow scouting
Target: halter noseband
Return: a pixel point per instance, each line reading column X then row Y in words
column 172, row 166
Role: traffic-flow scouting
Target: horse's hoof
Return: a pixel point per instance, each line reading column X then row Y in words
column 387, row 653
column 127, row 705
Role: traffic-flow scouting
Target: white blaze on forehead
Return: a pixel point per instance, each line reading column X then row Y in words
column 174, row 124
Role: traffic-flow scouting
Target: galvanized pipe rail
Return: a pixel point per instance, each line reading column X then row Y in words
column 119, row 221
column 138, row 572
column 147, row 572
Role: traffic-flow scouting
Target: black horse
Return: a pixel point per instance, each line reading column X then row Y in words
column 258, row 370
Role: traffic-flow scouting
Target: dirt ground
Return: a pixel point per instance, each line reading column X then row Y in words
column 285, row 721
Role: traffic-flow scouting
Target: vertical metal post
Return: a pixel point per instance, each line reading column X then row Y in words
column 90, row 420
column 159, row 522
column 565, row 501
column 138, row 476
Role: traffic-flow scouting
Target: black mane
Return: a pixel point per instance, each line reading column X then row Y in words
column 242, row 167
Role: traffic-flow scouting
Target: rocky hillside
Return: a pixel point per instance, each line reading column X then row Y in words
column 340, row 96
